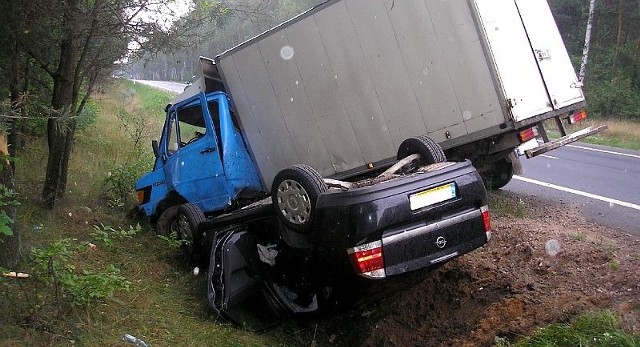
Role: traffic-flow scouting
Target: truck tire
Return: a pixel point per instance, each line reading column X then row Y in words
column 294, row 193
column 429, row 150
column 499, row 174
column 188, row 220
column 167, row 222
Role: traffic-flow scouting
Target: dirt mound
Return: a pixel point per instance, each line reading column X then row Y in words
column 537, row 270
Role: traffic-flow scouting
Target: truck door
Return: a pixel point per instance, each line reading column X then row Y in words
column 530, row 60
column 551, row 54
column 193, row 166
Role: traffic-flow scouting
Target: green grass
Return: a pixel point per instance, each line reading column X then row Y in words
column 152, row 100
column 601, row 329
column 504, row 205
column 620, row 133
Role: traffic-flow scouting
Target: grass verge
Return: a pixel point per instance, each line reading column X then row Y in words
column 600, row 329
column 504, row 204
column 620, row 133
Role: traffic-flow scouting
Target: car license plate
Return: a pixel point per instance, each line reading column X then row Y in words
column 432, row 196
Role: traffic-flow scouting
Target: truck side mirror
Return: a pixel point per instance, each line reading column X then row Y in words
column 156, row 149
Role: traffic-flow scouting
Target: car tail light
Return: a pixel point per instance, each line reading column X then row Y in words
column 367, row 259
column 528, row 134
column 577, row 116
column 486, row 220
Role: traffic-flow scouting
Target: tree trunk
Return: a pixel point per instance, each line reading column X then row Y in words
column 616, row 52
column 587, row 42
column 61, row 124
column 9, row 244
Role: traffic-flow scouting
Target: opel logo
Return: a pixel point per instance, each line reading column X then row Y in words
column 441, row 242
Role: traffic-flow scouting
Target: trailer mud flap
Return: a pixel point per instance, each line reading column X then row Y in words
column 236, row 289
column 565, row 140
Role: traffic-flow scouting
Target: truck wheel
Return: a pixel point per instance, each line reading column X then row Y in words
column 499, row 174
column 189, row 218
column 294, row 193
column 429, row 150
column 167, row 222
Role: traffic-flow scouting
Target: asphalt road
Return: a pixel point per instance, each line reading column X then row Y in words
column 164, row 85
column 603, row 181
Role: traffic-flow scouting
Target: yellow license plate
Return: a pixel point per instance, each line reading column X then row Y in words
column 432, row 196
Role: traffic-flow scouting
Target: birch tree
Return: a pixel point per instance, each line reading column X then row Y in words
column 587, row 42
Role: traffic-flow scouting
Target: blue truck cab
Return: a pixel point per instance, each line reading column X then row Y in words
column 201, row 158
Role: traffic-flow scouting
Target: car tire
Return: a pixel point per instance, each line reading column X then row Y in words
column 189, row 219
column 294, row 193
column 426, row 147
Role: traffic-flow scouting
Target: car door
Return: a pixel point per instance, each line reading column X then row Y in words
column 193, row 166
column 236, row 286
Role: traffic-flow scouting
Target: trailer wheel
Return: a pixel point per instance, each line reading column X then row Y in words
column 429, row 150
column 167, row 222
column 294, row 193
column 188, row 220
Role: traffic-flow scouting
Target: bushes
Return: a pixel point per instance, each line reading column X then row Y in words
column 120, row 183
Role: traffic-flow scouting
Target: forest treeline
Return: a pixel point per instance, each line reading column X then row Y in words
column 215, row 27
column 612, row 82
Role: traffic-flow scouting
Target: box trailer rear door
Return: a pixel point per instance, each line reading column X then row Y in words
column 530, row 60
column 553, row 59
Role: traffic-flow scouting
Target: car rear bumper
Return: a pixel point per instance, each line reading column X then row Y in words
column 412, row 238
column 423, row 245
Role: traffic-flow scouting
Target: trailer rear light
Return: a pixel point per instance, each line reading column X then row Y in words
column 486, row 220
column 367, row 259
column 577, row 116
column 528, row 134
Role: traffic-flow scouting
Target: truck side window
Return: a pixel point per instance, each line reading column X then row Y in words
column 172, row 135
column 191, row 124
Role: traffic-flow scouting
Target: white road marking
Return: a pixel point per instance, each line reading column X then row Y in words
column 578, row 192
column 605, row 151
column 549, row 156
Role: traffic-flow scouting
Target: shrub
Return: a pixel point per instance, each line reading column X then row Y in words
column 120, row 183
column 53, row 265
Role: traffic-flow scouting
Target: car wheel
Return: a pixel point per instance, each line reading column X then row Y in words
column 167, row 222
column 426, row 147
column 188, row 221
column 294, row 193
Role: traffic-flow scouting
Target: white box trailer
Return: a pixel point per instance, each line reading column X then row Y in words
column 340, row 86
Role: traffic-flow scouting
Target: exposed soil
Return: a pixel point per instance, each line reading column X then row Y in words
column 506, row 289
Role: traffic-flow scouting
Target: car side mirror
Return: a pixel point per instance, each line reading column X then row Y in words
column 156, row 148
